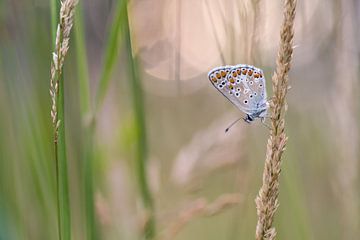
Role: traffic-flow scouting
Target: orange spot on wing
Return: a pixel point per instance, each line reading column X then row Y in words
column 218, row 76
column 232, row 80
column 244, row 71
column 250, row 72
column 223, row 74
column 238, row 71
column 256, row 75
column 234, row 74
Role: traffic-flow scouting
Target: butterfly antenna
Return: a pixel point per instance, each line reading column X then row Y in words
column 232, row 124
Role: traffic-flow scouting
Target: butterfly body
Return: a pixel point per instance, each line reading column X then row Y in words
column 244, row 86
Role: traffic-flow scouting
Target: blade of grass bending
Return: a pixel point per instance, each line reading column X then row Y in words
column 141, row 145
column 111, row 52
column 88, row 128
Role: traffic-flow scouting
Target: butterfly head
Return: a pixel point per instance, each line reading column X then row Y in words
column 249, row 118
column 259, row 114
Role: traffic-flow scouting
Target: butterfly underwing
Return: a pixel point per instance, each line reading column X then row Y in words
column 244, row 86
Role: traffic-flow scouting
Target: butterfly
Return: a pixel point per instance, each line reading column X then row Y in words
column 244, row 86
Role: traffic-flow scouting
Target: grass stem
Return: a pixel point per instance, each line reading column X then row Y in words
column 267, row 200
column 141, row 152
column 111, row 53
column 88, row 126
column 62, row 39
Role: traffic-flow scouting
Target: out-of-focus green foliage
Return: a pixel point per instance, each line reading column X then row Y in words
column 127, row 125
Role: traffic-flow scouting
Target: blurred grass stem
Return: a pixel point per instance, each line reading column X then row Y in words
column 344, row 121
column 201, row 208
column 88, row 125
column 141, row 151
column 111, row 53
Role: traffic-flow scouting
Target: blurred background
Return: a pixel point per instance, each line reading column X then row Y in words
column 155, row 121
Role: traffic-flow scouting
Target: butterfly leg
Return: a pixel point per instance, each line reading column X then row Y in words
column 263, row 122
column 268, row 116
column 269, row 100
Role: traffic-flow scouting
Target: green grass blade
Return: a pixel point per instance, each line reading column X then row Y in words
column 54, row 9
column 88, row 129
column 82, row 64
column 141, row 145
column 91, row 224
column 63, row 189
column 63, row 203
column 111, row 52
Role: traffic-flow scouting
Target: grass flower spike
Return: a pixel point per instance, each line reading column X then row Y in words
column 267, row 200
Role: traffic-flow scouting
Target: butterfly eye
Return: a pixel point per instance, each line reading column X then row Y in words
column 251, row 82
column 255, row 94
column 230, row 92
column 251, row 96
column 260, row 85
column 220, row 86
column 238, row 89
column 237, row 94
column 246, row 101
column 223, row 83
column 238, row 81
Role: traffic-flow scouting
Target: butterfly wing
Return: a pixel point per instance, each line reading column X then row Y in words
column 219, row 78
column 243, row 85
column 256, row 83
column 242, row 76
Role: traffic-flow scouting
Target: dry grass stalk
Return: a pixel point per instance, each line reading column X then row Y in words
column 267, row 200
column 201, row 208
column 210, row 149
column 254, row 31
column 61, row 47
